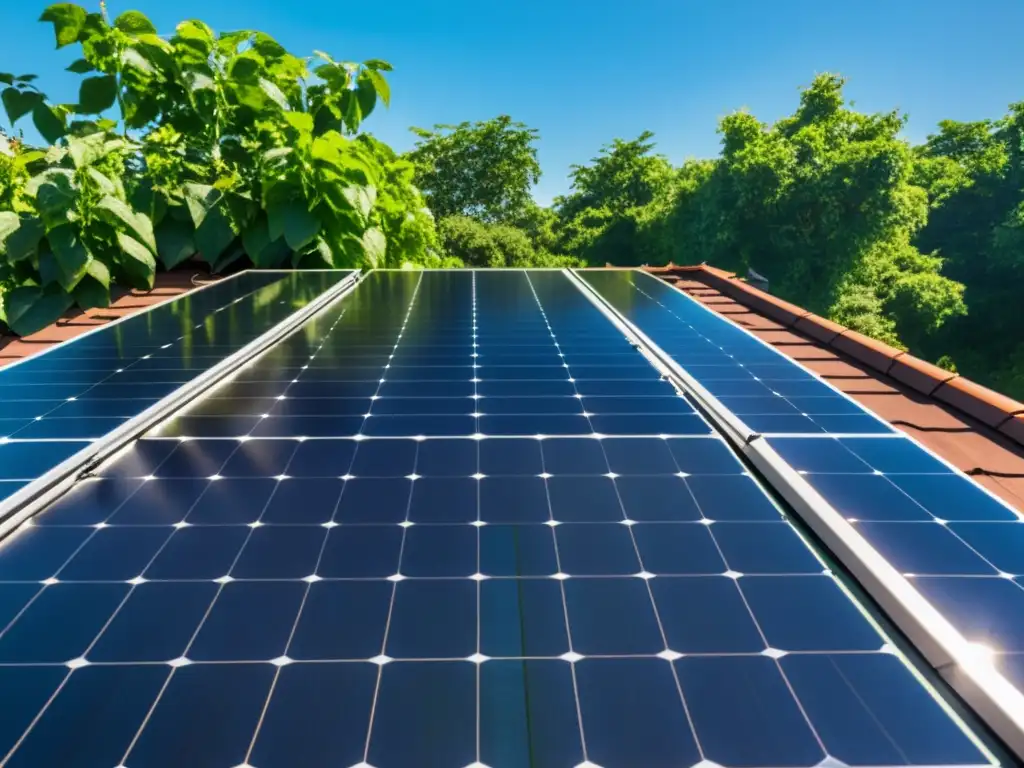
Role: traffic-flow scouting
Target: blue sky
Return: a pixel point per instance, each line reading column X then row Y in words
column 586, row 71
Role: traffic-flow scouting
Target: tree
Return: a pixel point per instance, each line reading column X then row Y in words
column 611, row 201
column 483, row 170
column 478, row 244
column 823, row 204
column 974, row 175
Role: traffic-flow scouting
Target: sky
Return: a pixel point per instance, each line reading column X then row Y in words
column 586, row 71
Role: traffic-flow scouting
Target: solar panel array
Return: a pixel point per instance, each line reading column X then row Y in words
column 455, row 520
column 51, row 404
column 962, row 548
column 770, row 393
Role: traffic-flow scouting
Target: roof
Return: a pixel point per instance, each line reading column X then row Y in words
column 75, row 322
column 978, row 430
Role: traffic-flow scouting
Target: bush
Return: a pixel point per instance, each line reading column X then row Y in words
column 494, row 245
column 227, row 147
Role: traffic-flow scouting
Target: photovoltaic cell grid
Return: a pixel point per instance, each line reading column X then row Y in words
column 421, row 600
column 765, row 389
column 81, row 391
column 963, row 549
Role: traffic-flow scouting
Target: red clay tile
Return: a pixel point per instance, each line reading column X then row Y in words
column 1014, row 429
column 867, row 350
column 919, row 375
column 980, row 402
column 818, row 328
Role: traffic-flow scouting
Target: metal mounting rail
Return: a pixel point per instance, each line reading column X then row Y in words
column 969, row 672
column 42, row 491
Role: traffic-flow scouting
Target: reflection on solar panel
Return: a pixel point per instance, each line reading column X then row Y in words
column 960, row 547
column 83, row 389
column 767, row 390
column 456, row 520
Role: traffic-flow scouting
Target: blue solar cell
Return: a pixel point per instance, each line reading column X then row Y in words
column 361, row 552
column 868, row 497
column 952, row 497
column 865, row 711
column 321, row 711
column 433, row 706
column 1001, row 544
column 678, row 549
column 433, row 619
column 156, row 622
column 746, row 695
column 925, row 549
column 612, row 617
column 632, row 707
column 249, row 621
column 218, row 705
column 806, row 613
column 725, row 626
column 764, row 548
column 391, row 458
column 342, row 620
column 61, row 737
column 521, row 618
column 528, row 714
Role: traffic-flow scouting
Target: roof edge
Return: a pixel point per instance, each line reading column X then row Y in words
column 993, row 409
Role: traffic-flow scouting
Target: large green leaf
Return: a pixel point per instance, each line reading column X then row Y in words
column 90, row 292
column 292, row 220
column 366, row 94
column 274, row 94
column 264, row 252
column 214, row 236
column 380, row 84
column 54, row 193
column 201, row 199
column 68, row 20
column 86, row 150
column 375, row 246
column 48, row 122
column 137, row 261
column 361, row 198
column 70, row 256
column 30, row 308
column 81, row 67
column 134, row 23
column 22, row 242
column 10, row 223
column 97, row 94
column 6, row 78
column 17, row 103
column 122, row 217
column 377, row 64
column 350, row 110
column 175, row 242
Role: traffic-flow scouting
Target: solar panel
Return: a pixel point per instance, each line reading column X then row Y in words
column 52, row 404
column 454, row 577
column 961, row 548
column 767, row 390
column 958, row 545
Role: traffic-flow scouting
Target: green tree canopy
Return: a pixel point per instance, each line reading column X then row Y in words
column 974, row 175
column 483, row 170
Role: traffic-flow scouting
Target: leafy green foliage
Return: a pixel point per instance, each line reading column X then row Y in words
column 974, row 176
column 478, row 244
column 483, row 169
column 224, row 147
